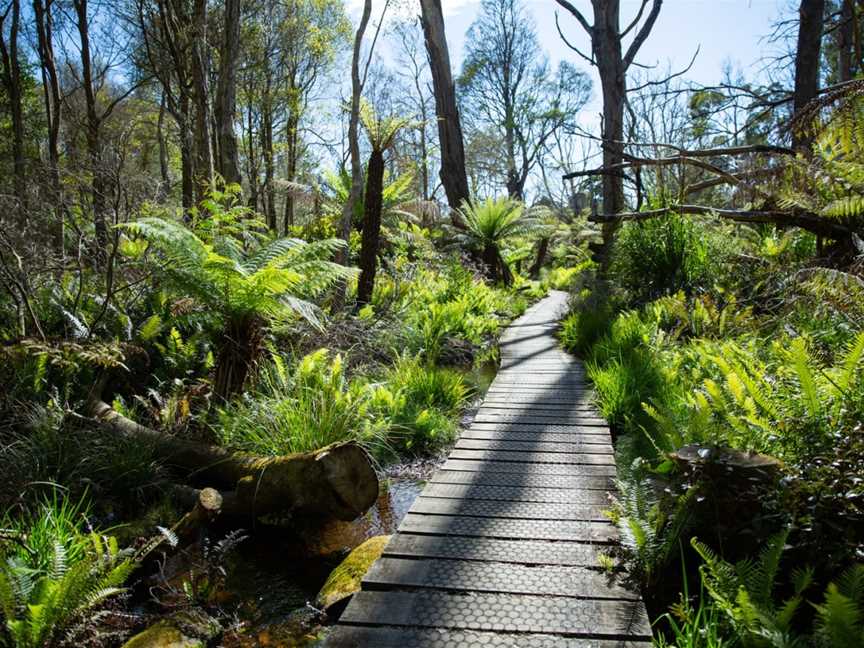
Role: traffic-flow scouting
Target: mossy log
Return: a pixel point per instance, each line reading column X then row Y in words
column 344, row 581
column 337, row 481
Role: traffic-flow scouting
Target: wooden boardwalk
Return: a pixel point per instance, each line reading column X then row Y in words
column 500, row 549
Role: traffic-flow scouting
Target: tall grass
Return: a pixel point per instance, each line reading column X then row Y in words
column 301, row 410
column 41, row 449
column 421, row 403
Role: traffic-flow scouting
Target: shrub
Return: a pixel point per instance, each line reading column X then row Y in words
column 41, row 449
column 661, row 256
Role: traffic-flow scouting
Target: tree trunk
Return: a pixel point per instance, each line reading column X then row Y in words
column 93, row 136
column 226, row 94
column 807, row 59
column 607, row 49
column 336, row 482
column 371, row 227
column 165, row 184
column 42, row 11
column 292, row 152
column 453, row 173
column 14, row 97
column 845, row 40
column 540, row 258
column 356, row 192
column 269, row 168
column 241, row 344
column 201, row 83
column 187, row 156
column 251, row 162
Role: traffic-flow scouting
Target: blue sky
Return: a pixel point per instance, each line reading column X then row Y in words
column 725, row 30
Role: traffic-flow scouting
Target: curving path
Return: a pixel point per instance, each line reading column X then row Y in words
column 500, row 549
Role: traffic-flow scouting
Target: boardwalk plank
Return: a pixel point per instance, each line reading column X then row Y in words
column 516, row 493
column 522, row 468
column 592, row 446
column 534, row 457
column 533, row 614
column 517, row 480
column 509, row 528
column 524, row 552
column 465, row 576
column 511, row 509
column 371, row 637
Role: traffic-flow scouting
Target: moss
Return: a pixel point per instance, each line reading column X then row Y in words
column 345, row 579
column 162, row 635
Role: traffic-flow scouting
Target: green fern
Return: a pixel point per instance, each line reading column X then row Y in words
column 840, row 617
column 649, row 533
column 809, row 392
column 40, row 608
column 743, row 591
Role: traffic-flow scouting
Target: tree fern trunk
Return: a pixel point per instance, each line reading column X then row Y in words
column 241, row 342
column 371, row 227
column 490, row 261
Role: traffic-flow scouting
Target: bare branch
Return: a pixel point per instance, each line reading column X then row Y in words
column 635, row 20
column 642, row 35
column 570, row 45
column 684, row 155
column 799, row 218
column 577, row 15
column 659, row 82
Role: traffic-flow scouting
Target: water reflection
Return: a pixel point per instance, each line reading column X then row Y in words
column 277, row 571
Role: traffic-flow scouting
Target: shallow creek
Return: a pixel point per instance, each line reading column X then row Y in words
column 274, row 574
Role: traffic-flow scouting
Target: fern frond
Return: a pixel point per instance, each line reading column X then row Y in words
column 800, row 361
column 852, row 362
column 839, row 620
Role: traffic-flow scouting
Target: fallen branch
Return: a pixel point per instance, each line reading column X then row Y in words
column 805, row 220
column 683, row 156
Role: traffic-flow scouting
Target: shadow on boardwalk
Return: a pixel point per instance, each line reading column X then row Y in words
column 500, row 549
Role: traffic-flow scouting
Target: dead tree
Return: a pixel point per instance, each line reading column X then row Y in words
column 454, row 177
column 612, row 63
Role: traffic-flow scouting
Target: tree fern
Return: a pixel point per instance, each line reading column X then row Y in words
column 244, row 289
column 489, row 225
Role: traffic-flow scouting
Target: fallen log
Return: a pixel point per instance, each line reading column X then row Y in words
column 337, row 481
